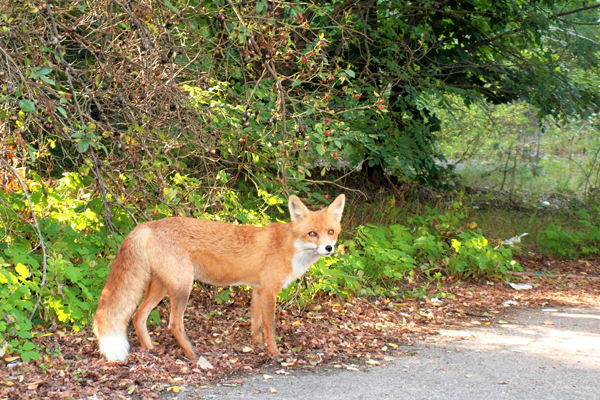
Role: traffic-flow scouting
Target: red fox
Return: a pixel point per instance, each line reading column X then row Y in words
column 164, row 257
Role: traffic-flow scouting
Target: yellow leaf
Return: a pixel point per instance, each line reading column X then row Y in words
column 174, row 389
column 22, row 270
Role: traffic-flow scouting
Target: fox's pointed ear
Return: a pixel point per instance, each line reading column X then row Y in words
column 298, row 210
column 336, row 208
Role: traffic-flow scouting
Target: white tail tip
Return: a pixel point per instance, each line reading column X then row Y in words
column 114, row 347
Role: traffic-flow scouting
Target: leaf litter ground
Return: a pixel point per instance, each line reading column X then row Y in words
column 332, row 333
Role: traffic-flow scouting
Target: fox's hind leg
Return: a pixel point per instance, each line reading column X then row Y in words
column 155, row 292
column 179, row 296
column 258, row 338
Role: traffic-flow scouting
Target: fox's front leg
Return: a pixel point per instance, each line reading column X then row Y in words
column 258, row 338
column 268, row 297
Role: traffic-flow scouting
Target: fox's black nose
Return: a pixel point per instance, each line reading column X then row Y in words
column 329, row 248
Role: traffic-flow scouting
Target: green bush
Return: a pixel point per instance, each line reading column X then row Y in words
column 79, row 248
column 66, row 288
column 583, row 242
column 381, row 260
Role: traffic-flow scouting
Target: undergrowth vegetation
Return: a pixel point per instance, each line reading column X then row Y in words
column 58, row 280
column 115, row 113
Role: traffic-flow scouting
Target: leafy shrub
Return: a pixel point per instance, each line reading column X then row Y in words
column 381, row 259
column 66, row 288
column 583, row 242
column 79, row 248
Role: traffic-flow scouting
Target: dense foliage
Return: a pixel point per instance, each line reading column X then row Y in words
column 135, row 93
column 116, row 112
column 58, row 280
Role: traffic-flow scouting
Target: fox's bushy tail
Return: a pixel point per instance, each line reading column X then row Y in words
column 128, row 278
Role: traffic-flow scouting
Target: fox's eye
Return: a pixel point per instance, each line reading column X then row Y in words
column 330, row 231
column 312, row 233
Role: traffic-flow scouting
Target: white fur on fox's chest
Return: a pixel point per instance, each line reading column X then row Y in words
column 302, row 259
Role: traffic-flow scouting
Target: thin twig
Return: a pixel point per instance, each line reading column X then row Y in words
column 338, row 185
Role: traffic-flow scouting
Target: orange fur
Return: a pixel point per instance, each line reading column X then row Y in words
column 166, row 256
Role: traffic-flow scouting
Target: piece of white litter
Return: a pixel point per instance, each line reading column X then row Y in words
column 549, row 310
column 203, row 363
column 510, row 303
column 520, row 286
column 514, row 240
column 435, row 300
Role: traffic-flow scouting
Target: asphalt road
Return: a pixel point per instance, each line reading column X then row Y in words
column 533, row 354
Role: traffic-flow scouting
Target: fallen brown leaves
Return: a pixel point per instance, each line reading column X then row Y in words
column 355, row 334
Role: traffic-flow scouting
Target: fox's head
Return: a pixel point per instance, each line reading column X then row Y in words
column 317, row 230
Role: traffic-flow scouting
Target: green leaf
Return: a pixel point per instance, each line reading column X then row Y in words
column 32, row 152
column 62, row 111
column 350, row 73
column 48, row 80
column 27, row 356
column 27, row 105
column 41, row 72
column 28, row 346
column 83, row 145
column 260, row 7
column 171, row 6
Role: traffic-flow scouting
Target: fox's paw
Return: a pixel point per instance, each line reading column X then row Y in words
column 258, row 340
column 274, row 351
column 278, row 358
